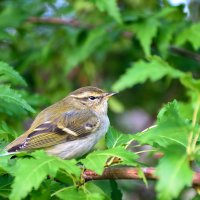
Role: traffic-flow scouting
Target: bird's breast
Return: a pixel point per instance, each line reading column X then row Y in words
column 103, row 127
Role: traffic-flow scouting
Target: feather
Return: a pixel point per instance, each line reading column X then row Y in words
column 70, row 126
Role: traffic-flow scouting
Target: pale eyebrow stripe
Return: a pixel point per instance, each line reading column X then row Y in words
column 85, row 94
column 81, row 95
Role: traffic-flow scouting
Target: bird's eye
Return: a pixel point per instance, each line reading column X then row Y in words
column 92, row 98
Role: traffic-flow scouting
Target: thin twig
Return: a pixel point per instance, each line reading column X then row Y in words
column 127, row 34
column 54, row 20
column 185, row 53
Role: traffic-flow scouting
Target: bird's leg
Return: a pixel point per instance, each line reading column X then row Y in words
column 82, row 179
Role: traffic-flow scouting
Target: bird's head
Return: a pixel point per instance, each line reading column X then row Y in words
column 92, row 98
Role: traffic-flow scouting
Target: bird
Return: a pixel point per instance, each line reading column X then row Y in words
column 70, row 128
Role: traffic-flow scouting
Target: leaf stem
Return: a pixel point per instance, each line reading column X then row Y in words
column 197, row 149
column 127, row 145
column 58, row 191
column 196, row 112
column 137, row 145
column 149, row 128
column 196, row 139
column 191, row 135
column 145, row 151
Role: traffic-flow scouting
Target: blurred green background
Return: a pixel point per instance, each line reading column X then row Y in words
column 61, row 45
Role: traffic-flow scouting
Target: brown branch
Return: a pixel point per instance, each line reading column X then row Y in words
column 54, row 20
column 129, row 173
column 126, row 34
column 185, row 53
column 119, row 173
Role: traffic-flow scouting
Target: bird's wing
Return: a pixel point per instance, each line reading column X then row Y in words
column 70, row 126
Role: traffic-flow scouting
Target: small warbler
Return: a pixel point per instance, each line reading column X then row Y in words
column 69, row 128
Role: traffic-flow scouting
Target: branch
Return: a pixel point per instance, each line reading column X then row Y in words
column 185, row 53
column 54, row 20
column 129, row 173
column 126, row 34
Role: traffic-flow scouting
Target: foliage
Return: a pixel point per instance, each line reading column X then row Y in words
column 142, row 71
column 148, row 51
column 174, row 165
column 96, row 161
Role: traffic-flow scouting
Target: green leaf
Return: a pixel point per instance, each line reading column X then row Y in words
column 168, row 12
column 30, row 172
column 110, row 7
column 190, row 34
column 165, row 36
column 8, row 74
column 96, row 160
column 8, row 14
column 174, row 173
column 141, row 71
column 4, row 163
column 71, row 193
column 11, row 96
column 89, row 191
column 116, row 193
column 13, row 110
column 142, row 175
column 83, row 51
column 189, row 82
column 5, row 183
column 145, row 31
column 115, row 138
column 196, row 197
column 93, row 188
column 115, row 105
column 7, row 133
column 187, row 108
column 44, row 191
column 171, row 128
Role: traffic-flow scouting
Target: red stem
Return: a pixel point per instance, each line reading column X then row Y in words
column 129, row 173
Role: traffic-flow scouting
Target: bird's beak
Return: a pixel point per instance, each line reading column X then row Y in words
column 109, row 94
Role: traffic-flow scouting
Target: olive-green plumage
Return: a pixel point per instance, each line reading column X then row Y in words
column 65, row 127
